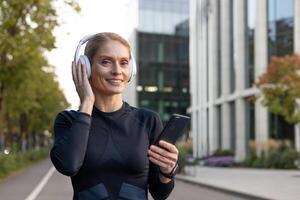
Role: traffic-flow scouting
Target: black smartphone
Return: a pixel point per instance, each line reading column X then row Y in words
column 174, row 128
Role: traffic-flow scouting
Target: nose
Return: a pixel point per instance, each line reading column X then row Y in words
column 116, row 69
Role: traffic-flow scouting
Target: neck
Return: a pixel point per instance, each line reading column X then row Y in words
column 108, row 103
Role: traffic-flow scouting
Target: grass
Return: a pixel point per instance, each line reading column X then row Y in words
column 14, row 162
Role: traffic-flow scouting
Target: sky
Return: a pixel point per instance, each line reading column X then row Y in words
column 118, row 16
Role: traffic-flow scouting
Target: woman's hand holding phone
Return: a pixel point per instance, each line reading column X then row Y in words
column 165, row 156
column 83, row 87
column 164, row 152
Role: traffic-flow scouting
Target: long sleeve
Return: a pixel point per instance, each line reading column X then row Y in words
column 71, row 130
column 157, row 189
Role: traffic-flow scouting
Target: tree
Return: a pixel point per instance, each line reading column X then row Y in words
column 26, row 89
column 280, row 87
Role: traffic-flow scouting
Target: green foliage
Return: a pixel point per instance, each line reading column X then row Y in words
column 15, row 161
column 185, row 149
column 224, row 152
column 275, row 159
column 280, row 87
column 29, row 93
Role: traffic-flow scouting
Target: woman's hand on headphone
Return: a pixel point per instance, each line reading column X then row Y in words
column 82, row 84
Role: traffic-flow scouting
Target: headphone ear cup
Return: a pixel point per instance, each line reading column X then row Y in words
column 133, row 67
column 85, row 61
column 130, row 73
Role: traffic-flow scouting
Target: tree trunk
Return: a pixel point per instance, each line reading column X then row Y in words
column 23, row 130
column 1, row 115
column 297, row 137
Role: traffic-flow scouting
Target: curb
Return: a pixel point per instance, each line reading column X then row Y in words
column 220, row 189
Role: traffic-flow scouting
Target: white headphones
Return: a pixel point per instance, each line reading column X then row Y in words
column 83, row 59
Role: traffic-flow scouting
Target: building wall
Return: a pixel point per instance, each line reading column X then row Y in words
column 163, row 56
column 231, row 42
column 130, row 94
column 157, row 16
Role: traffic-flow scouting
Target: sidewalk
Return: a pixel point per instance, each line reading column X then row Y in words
column 254, row 183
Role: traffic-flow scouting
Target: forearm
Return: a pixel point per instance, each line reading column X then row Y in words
column 87, row 107
column 160, row 187
column 70, row 145
column 160, row 190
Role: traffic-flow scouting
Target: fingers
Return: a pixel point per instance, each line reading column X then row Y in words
column 82, row 83
column 79, row 73
column 74, row 74
column 163, row 153
column 164, row 159
column 84, row 73
column 160, row 163
column 160, row 158
column 170, row 147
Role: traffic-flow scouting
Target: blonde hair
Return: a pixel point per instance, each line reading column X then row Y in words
column 100, row 39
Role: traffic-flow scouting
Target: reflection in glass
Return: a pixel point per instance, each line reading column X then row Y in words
column 251, row 13
column 232, row 126
column 232, row 68
column 281, row 27
column 280, row 38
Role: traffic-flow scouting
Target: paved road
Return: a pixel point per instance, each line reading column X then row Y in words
column 58, row 187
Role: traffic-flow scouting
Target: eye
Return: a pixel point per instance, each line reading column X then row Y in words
column 124, row 62
column 105, row 62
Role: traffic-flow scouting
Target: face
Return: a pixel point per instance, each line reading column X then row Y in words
column 110, row 68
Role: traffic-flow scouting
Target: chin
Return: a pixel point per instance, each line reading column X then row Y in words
column 114, row 91
column 110, row 89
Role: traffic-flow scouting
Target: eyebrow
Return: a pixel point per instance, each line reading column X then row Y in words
column 105, row 56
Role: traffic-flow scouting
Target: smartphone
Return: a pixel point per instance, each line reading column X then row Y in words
column 174, row 128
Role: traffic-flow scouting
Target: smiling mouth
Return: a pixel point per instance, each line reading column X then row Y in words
column 114, row 81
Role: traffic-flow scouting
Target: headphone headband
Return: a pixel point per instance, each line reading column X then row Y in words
column 81, row 42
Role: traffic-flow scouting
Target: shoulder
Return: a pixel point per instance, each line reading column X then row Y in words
column 147, row 113
column 65, row 117
column 146, row 117
column 144, row 114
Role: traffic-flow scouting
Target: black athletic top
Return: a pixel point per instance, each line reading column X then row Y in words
column 106, row 154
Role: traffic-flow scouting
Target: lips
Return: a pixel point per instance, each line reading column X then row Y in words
column 114, row 81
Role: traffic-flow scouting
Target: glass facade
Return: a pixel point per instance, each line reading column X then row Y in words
column 279, row 128
column 232, row 68
column 219, row 121
column 219, row 65
column 280, row 43
column 281, row 27
column 163, row 73
column 250, row 118
column 163, row 56
column 251, row 13
column 162, row 16
column 241, row 119
column 232, row 125
column 250, row 69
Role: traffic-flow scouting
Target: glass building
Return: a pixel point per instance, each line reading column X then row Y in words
column 163, row 56
column 231, row 44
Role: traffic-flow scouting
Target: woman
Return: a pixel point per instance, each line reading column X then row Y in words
column 107, row 146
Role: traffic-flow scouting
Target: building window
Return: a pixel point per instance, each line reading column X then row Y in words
column 280, row 129
column 232, row 69
column 251, row 13
column 163, row 79
column 219, row 118
column 280, row 43
column 232, row 125
column 281, row 27
column 219, row 67
column 208, row 131
column 250, row 118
